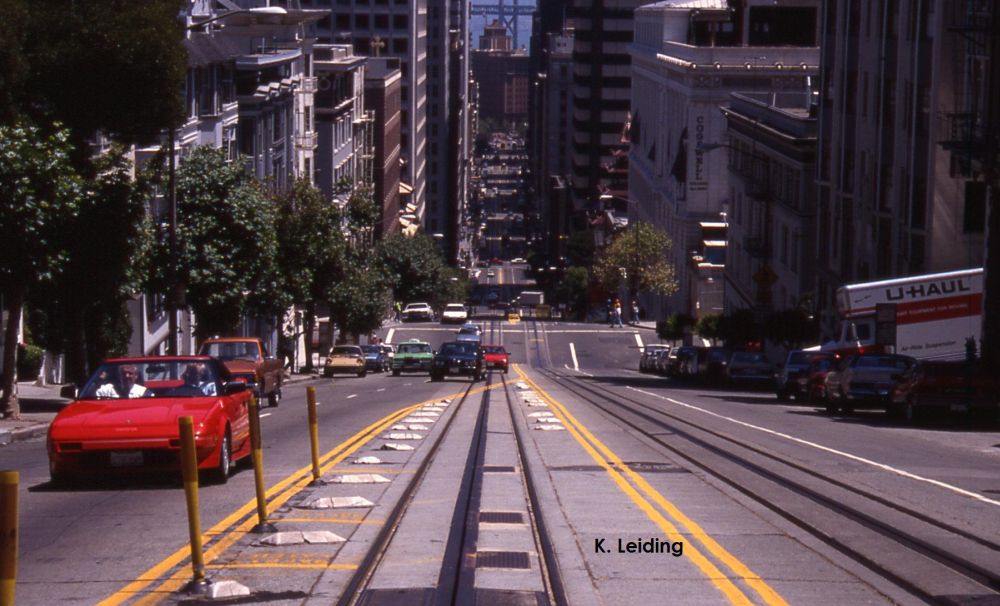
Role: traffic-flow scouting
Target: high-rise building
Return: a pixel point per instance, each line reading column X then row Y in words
column 382, row 107
column 903, row 98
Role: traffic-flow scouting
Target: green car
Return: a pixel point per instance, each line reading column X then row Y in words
column 412, row 355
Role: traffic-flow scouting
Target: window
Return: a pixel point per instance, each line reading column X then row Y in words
column 400, row 22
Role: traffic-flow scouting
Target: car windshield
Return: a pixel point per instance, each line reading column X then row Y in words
column 494, row 349
column 185, row 378
column 369, row 349
column 417, row 306
column 803, row 358
column 454, row 307
column 345, row 351
column 458, row 348
column 230, row 351
column 414, row 348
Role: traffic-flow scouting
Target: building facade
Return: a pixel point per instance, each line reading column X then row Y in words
column 686, row 60
column 383, row 104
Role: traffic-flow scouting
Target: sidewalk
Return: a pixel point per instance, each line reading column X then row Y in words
column 39, row 405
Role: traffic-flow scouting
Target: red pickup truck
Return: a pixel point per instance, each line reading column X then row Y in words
column 247, row 358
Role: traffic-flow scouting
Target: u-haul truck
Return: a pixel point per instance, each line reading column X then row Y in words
column 935, row 314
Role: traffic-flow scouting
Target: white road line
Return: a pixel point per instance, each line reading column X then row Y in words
column 882, row 466
column 380, row 389
column 388, row 335
column 638, row 341
column 264, row 414
column 353, row 395
column 572, row 353
column 590, row 332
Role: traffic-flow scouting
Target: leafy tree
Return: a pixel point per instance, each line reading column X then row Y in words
column 673, row 328
column 226, row 241
column 580, row 248
column 362, row 212
column 39, row 197
column 310, row 244
column 358, row 301
column 133, row 49
column 415, row 267
column 791, row 328
column 641, row 251
column 709, row 327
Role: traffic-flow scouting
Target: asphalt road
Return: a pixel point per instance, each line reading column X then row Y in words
column 719, row 455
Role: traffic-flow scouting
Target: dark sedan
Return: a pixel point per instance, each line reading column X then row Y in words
column 375, row 358
column 463, row 358
column 865, row 381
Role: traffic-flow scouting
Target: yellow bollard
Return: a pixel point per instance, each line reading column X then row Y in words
column 313, row 430
column 258, row 469
column 9, row 481
column 189, row 472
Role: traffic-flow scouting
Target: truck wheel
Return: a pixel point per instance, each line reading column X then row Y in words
column 782, row 396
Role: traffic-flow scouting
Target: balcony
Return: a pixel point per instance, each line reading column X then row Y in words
column 308, row 85
column 306, row 140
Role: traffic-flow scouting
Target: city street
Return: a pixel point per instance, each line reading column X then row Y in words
column 649, row 490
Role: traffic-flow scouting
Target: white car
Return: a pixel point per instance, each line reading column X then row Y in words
column 518, row 260
column 454, row 313
column 417, row 311
column 491, row 274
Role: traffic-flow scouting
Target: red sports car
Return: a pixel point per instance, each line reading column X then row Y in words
column 495, row 356
column 125, row 418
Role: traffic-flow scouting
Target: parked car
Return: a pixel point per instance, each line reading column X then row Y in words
column 954, row 387
column 124, row 420
column 345, row 358
column 648, row 356
column 412, row 355
column 417, row 311
column 715, row 365
column 470, row 332
column 865, row 381
column 687, row 362
column 793, row 378
column 389, row 351
column 454, row 313
column 669, row 365
column 751, row 368
column 461, row 358
column 815, row 387
column 496, row 358
column 375, row 359
column 247, row 358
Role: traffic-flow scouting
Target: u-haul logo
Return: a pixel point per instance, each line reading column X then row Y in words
column 933, row 289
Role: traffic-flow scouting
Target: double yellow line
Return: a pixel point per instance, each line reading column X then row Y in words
column 230, row 530
column 635, row 487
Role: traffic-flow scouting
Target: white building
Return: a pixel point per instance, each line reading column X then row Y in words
column 687, row 57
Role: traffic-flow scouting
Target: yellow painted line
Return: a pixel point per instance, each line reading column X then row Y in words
column 287, row 566
column 303, row 474
column 609, row 458
column 292, row 485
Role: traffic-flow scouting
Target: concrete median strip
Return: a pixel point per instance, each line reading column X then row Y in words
column 336, row 503
column 432, row 409
column 425, row 414
column 548, row 420
column 549, row 427
column 367, row 461
column 540, row 414
column 298, row 537
column 218, row 590
column 417, row 427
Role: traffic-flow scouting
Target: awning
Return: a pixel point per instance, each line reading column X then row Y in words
column 404, row 189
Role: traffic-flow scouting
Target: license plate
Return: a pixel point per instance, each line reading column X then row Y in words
column 453, row 369
column 126, row 458
column 959, row 408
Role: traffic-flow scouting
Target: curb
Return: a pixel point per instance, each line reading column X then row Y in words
column 22, row 433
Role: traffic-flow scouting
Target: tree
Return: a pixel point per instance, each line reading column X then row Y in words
column 739, row 328
column 310, row 242
column 709, row 327
column 39, row 197
column 414, row 266
column 135, row 50
column 362, row 213
column 637, row 260
column 573, row 289
column 359, row 300
column 226, row 241
column 790, row 328
column 673, row 328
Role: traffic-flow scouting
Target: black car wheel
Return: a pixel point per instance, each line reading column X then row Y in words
column 363, row 372
column 395, row 373
column 220, row 475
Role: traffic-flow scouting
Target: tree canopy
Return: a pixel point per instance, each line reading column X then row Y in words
column 637, row 260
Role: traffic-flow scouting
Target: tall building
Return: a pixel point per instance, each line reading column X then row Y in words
column 400, row 30
column 382, row 104
column 339, row 113
column 503, row 75
column 601, row 84
column 686, row 61
column 904, row 91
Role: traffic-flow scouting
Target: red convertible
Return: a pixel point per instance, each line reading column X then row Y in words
column 496, row 357
column 125, row 418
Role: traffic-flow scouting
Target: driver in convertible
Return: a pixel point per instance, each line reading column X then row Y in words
column 126, row 386
column 197, row 376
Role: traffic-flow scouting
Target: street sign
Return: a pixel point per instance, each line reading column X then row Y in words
column 885, row 324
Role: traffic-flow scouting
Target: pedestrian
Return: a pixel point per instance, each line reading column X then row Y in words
column 635, row 313
column 616, row 314
column 397, row 307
